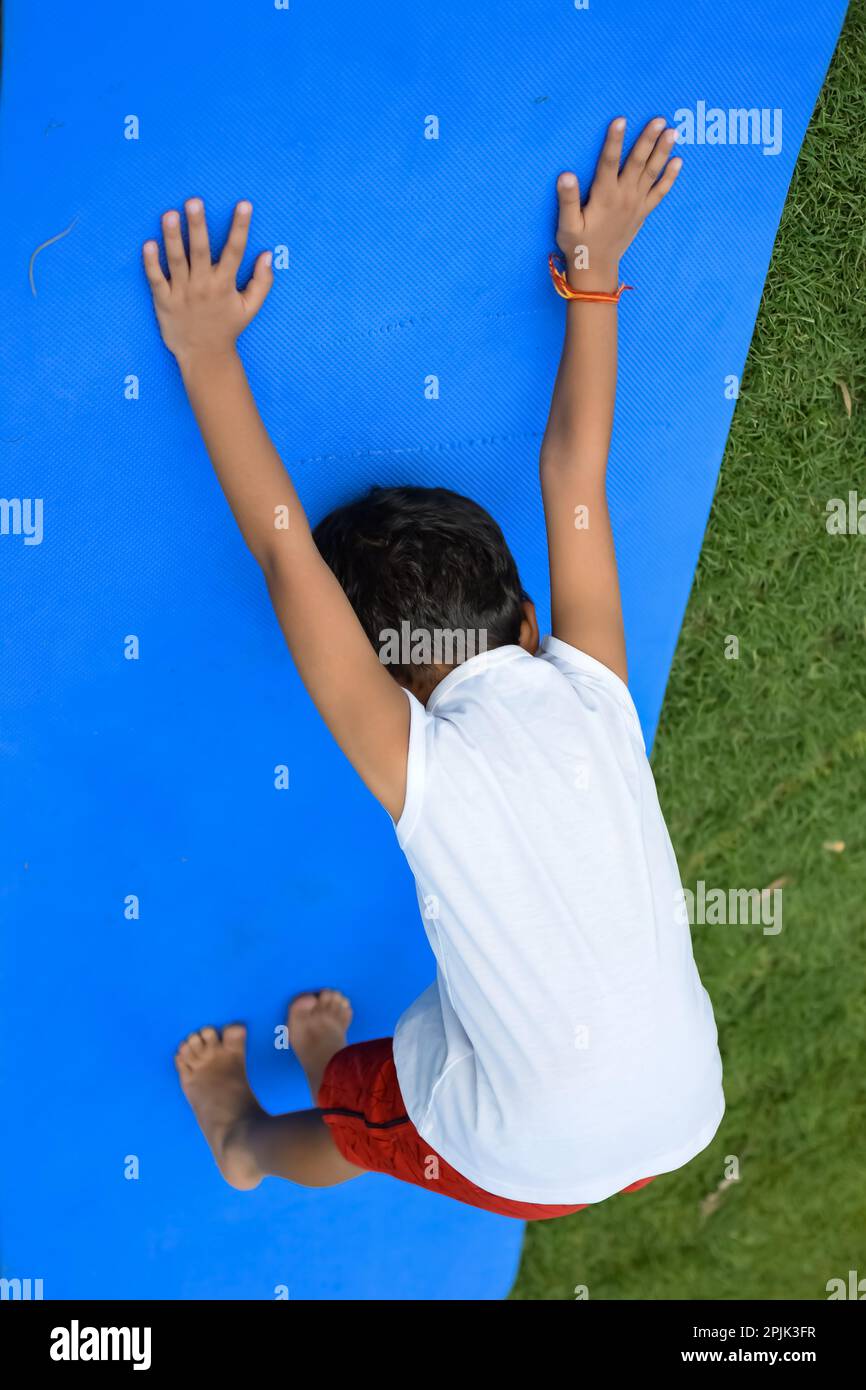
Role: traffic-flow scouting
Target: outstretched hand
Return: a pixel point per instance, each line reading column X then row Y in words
column 198, row 305
column 593, row 237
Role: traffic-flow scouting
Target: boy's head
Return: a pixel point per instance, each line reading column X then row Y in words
column 430, row 577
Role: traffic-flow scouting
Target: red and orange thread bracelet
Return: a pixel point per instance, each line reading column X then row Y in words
column 562, row 287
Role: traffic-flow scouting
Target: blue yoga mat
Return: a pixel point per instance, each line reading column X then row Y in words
column 404, row 258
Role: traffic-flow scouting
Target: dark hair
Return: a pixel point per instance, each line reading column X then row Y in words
column 427, row 557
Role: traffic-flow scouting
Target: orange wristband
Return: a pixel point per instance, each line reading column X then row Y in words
column 562, row 287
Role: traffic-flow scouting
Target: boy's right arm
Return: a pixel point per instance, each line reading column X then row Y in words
column 201, row 313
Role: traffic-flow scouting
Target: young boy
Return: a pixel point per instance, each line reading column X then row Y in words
column 567, row 1049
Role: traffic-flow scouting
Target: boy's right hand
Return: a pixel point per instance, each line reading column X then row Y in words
column 201, row 311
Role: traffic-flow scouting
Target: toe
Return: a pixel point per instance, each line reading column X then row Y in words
column 195, row 1045
column 181, row 1062
column 209, row 1036
column 302, row 1004
column 235, row 1036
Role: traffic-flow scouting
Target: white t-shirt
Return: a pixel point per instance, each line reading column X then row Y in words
column 567, row 1047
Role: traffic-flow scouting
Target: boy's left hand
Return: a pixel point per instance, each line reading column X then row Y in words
column 201, row 311
column 618, row 204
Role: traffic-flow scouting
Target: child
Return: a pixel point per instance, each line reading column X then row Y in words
column 567, row 1049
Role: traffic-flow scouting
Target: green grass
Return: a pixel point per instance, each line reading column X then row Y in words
column 759, row 762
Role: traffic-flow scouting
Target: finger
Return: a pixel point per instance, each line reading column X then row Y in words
column 153, row 270
column 259, row 286
column 236, row 243
column 568, row 192
column 664, row 185
column 175, row 252
column 607, row 168
column 643, row 148
column 199, row 244
column 659, row 156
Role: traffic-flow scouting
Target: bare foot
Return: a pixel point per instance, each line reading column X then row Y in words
column 317, row 1029
column 213, row 1075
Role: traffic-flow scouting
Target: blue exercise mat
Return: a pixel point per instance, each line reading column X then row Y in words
column 402, row 258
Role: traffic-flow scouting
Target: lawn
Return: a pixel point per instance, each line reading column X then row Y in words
column 760, row 763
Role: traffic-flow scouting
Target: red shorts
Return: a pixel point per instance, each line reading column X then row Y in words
column 362, row 1106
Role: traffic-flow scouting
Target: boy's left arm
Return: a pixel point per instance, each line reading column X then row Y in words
column 201, row 312
column 584, row 586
